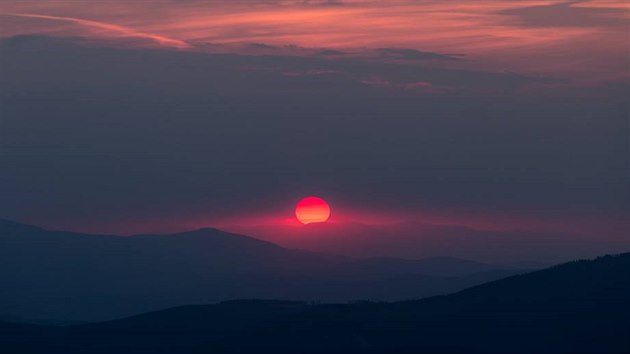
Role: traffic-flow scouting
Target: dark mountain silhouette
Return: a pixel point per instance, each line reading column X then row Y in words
column 78, row 277
column 579, row 307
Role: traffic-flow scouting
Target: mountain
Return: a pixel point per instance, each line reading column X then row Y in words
column 579, row 307
column 418, row 240
column 442, row 266
column 69, row 276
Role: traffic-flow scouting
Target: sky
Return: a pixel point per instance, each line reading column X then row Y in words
column 499, row 116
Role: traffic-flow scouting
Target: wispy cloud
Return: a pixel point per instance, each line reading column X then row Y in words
column 573, row 14
column 582, row 40
column 116, row 29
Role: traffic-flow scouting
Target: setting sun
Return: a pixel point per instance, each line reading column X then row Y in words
column 312, row 210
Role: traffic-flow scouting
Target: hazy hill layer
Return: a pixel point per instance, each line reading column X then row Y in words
column 578, row 307
column 69, row 276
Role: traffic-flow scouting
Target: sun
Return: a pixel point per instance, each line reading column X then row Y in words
column 312, row 210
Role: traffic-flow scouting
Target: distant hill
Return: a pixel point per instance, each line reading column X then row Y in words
column 65, row 276
column 443, row 266
column 417, row 240
column 579, row 307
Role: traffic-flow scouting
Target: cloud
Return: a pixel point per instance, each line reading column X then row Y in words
column 583, row 41
column 117, row 30
column 412, row 54
column 422, row 86
column 331, row 52
column 570, row 14
column 310, row 72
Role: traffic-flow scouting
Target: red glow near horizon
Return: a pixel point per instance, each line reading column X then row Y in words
column 312, row 210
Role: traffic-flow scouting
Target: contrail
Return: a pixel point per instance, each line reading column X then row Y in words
column 126, row 31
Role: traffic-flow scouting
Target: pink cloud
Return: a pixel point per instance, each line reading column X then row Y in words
column 494, row 35
column 109, row 29
column 422, row 86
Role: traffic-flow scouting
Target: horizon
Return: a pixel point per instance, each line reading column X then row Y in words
column 440, row 240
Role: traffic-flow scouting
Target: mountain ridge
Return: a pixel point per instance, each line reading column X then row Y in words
column 489, row 318
column 71, row 277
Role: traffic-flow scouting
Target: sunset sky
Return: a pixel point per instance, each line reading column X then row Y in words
column 123, row 116
column 584, row 39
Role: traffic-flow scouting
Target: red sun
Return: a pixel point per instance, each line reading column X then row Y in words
column 311, row 210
